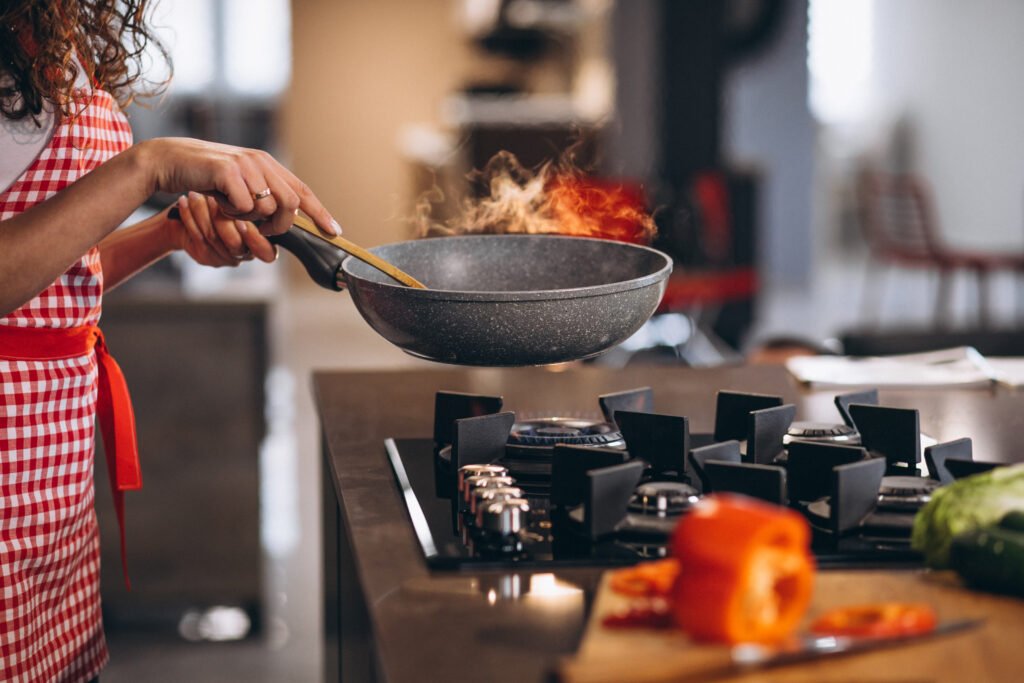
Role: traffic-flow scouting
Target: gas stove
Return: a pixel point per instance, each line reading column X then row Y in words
column 607, row 488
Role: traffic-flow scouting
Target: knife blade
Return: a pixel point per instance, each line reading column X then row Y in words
column 714, row 664
column 750, row 656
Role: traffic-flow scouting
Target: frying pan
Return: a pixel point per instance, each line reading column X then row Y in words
column 497, row 300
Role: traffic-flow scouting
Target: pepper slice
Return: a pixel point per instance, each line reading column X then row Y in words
column 648, row 579
column 879, row 620
column 654, row 615
column 746, row 572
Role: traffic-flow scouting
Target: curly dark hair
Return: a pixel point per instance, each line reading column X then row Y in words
column 45, row 43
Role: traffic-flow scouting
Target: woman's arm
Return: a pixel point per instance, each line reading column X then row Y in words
column 127, row 251
column 39, row 244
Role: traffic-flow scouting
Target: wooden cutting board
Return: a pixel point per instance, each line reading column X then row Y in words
column 991, row 652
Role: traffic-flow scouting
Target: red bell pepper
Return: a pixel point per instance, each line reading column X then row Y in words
column 746, row 572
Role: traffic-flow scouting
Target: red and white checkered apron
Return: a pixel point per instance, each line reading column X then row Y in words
column 51, row 627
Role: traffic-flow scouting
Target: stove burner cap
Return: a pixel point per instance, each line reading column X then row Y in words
column 822, row 432
column 905, row 494
column 547, row 432
column 662, row 498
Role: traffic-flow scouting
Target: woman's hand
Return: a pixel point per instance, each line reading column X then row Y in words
column 249, row 185
column 40, row 243
column 213, row 239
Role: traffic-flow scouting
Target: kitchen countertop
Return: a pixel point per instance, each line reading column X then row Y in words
column 399, row 622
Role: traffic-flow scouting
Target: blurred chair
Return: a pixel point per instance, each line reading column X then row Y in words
column 901, row 230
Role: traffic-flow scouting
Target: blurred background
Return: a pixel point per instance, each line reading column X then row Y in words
column 829, row 175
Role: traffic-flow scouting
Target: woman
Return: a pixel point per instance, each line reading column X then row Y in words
column 69, row 176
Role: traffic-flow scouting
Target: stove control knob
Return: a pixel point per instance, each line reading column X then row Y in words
column 467, row 471
column 503, row 517
column 482, row 496
column 478, row 482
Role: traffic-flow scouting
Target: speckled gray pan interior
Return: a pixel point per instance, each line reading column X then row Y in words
column 507, row 300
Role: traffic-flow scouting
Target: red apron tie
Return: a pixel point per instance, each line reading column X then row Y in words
column 113, row 404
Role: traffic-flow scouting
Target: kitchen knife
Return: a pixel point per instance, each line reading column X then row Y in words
column 808, row 647
column 708, row 663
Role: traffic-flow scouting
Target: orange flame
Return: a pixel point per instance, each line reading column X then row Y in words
column 553, row 200
column 596, row 208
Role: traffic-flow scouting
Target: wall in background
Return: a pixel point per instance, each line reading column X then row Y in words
column 361, row 70
column 952, row 69
column 768, row 126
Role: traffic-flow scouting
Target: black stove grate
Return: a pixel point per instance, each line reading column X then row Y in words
column 609, row 492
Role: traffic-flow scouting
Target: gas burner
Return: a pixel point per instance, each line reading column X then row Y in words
column 822, row 432
column 905, row 493
column 548, row 431
column 907, row 486
column 899, row 497
column 662, row 498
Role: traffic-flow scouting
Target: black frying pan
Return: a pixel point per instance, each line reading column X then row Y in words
column 497, row 300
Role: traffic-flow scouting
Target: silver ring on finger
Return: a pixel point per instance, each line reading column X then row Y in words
column 263, row 194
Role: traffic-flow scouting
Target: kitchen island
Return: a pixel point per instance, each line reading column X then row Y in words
column 388, row 618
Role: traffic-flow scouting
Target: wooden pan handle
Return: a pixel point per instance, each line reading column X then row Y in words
column 306, row 225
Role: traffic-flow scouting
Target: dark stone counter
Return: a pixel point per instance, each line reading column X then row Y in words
column 388, row 618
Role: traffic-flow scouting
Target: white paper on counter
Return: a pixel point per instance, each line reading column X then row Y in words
column 1008, row 371
column 961, row 366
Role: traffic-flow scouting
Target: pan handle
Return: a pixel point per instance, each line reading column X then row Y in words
column 321, row 259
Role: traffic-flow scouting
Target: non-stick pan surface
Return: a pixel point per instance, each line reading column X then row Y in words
column 500, row 300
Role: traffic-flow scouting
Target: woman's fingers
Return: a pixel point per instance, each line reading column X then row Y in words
column 264, row 204
column 287, row 195
column 197, row 244
column 233, row 190
column 310, row 204
column 237, row 177
column 203, row 254
column 188, row 220
column 223, row 230
column 285, row 202
column 258, row 245
column 201, row 214
column 239, row 240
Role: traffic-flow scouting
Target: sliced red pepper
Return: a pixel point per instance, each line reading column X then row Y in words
column 648, row 579
column 879, row 620
column 655, row 614
column 746, row 572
